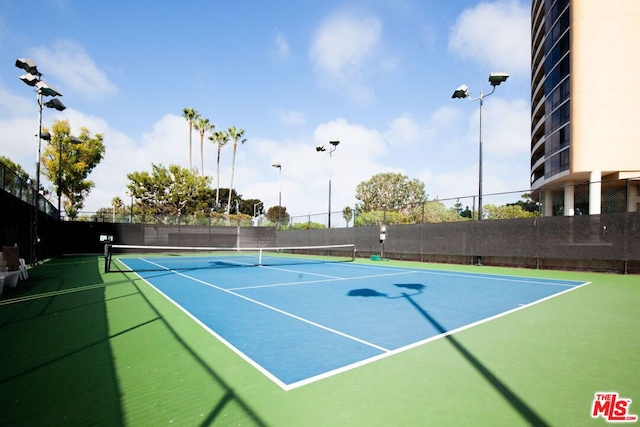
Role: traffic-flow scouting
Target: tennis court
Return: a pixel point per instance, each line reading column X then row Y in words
column 84, row 347
column 301, row 319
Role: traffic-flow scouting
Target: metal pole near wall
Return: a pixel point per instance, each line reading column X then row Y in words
column 34, row 78
column 463, row 92
column 320, row 148
column 279, row 167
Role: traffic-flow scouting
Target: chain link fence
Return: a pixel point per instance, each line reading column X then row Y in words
column 13, row 184
column 617, row 196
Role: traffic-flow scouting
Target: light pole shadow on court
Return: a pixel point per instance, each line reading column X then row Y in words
column 417, row 288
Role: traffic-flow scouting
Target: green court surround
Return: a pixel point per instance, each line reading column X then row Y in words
column 80, row 347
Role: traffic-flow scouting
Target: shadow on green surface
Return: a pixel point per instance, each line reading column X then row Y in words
column 56, row 359
column 245, row 416
column 58, row 355
column 516, row 402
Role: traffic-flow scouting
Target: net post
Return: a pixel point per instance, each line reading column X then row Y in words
column 108, row 251
column 260, row 257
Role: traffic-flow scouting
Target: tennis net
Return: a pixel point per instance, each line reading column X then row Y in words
column 154, row 258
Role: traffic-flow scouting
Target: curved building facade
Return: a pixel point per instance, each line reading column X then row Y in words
column 585, row 83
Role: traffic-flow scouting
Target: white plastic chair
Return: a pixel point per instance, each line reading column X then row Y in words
column 24, row 275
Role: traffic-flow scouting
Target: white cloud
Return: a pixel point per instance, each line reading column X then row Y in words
column 17, row 105
column 434, row 150
column 291, row 117
column 68, row 62
column 506, row 126
column 495, row 35
column 404, row 130
column 280, row 47
column 342, row 51
column 455, row 150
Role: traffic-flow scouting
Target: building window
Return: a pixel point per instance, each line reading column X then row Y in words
column 557, row 163
column 556, row 75
column 558, row 118
column 555, row 10
column 559, row 50
column 556, row 31
column 557, row 140
column 558, row 96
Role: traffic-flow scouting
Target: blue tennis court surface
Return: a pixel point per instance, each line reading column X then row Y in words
column 298, row 323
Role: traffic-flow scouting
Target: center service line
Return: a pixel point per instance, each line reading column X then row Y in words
column 293, row 316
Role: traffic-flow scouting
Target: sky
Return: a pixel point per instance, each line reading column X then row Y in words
column 376, row 75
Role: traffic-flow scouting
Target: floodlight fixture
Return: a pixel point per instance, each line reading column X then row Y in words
column 75, row 140
column 33, row 78
column 28, row 65
column 496, row 78
column 46, row 90
column 334, row 146
column 29, row 79
column 278, row 166
column 461, row 92
column 55, row 103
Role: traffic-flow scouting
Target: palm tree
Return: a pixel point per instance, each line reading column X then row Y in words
column 117, row 203
column 220, row 138
column 347, row 214
column 190, row 115
column 234, row 135
column 202, row 125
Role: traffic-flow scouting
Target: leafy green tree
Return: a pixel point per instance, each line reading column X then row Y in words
column 466, row 213
column 12, row 182
column 506, row 212
column 235, row 135
column 436, row 211
column 528, row 204
column 458, row 207
column 190, row 114
column 307, row 225
column 202, row 125
column 392, row 192
column 67, row 162
column 172, row 191
column 347, row 214
column 220, row 138
column 248, row 206
column 227, row 202
column 370, row 218
column 272, row 215
column 16, row 168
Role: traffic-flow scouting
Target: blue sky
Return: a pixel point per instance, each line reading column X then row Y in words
column 377, row 75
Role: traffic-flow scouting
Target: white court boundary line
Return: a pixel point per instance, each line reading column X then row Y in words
column 385, row 352
column 427, row 340
column 285, row 313
column 325, row 280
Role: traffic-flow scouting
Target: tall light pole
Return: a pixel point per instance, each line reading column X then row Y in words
column 320, row 148
column 463, row 92
column 279, row 167
column 34, row 78
column 130, row 193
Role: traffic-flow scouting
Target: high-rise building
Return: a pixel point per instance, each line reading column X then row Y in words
column 585, row 105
